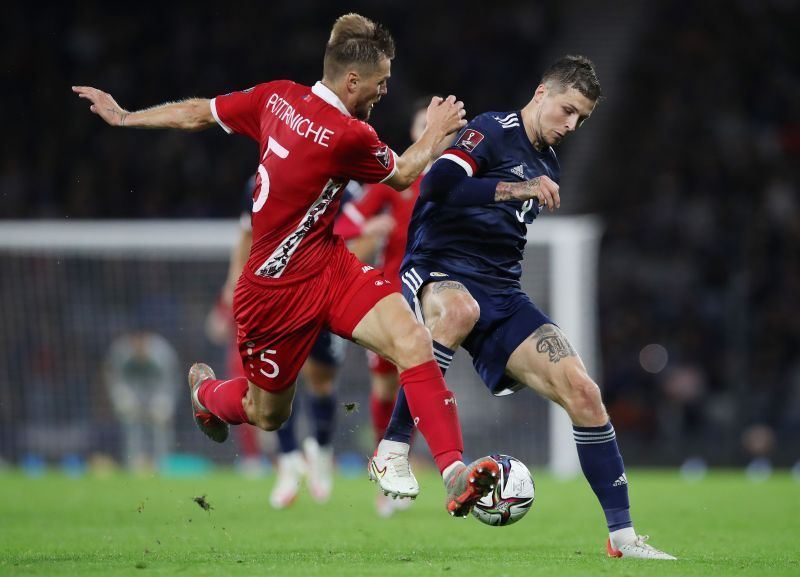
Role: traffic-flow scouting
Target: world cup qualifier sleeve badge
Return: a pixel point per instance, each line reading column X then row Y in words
column 469, row 140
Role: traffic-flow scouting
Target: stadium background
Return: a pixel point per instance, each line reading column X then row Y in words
column 691, row 162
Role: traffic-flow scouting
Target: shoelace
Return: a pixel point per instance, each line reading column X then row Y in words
column 641, row 541
column 399, row 462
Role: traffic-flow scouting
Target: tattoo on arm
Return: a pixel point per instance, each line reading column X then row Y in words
column 516, row 190
column 444, row 285
column 552, row 341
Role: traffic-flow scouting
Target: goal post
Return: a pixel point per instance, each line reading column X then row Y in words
column 574, row 246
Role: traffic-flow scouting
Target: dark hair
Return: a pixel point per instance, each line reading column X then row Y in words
column 574, row 72
column 356, row 40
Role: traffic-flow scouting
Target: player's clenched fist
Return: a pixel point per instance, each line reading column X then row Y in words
column 446, row 114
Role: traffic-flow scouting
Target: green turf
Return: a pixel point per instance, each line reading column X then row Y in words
column 123, row 525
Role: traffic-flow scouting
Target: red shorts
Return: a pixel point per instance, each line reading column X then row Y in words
column 279, row 320
column 378, row 365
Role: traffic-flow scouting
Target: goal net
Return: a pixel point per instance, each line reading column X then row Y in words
column 69, row 289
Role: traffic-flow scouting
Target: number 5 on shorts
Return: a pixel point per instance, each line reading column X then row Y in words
column 275, row 368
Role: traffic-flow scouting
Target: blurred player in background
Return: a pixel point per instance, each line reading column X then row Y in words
column 355, row 217
column 142, row 372
column 300, row 278
column 462, row 269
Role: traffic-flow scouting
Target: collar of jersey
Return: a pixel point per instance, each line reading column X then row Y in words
column 330, row 97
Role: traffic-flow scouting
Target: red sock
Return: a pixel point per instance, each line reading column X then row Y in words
column 224, row 399
column 434, row 410
column 381, row 412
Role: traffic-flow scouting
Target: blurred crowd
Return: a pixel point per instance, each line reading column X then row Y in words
column 697, row 181
column 701, row 260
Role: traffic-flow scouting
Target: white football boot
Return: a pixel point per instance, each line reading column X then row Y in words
column 291, row 470
column 637, row 549
column 389, row 467
column 319, row 475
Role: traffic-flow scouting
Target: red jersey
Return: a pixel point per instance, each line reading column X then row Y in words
column 378, row 198
column 310, row 147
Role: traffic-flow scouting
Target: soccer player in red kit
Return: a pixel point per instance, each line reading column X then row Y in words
column 300, row 277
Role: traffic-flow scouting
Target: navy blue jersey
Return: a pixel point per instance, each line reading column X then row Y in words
column 486, row 241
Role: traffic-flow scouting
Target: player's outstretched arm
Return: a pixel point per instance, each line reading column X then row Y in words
column 190, row 114
column 445, row 116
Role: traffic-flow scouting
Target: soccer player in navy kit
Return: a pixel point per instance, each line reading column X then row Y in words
column 461, row 274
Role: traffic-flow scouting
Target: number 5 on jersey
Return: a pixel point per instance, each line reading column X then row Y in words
column 263, row 193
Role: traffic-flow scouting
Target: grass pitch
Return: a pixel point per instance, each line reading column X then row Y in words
column 123, row 525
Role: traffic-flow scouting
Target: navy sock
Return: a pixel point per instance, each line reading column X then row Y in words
column 602, row 465
column 323, row 412
column 287, row 442
column 401, row 425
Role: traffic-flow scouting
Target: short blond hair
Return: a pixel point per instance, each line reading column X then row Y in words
column 356, row 41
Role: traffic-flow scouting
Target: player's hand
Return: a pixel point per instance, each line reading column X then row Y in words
column 379, row 226
column 446, row 114
column 102, row 104
column 542, row 188
column 546, row 190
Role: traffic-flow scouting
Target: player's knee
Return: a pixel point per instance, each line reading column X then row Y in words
column 412, row 346
column 582, row 398
column 460, row 314
column 271, row 420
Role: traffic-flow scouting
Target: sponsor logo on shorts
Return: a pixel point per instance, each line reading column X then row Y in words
column 366, row 268
column 379, row 283
column 438, row 274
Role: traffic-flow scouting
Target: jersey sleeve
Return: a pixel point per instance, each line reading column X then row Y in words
column 362, row 156
column 240, row 112
column 354, row 214
column 473, row 149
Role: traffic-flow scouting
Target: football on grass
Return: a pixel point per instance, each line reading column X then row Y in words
column 511, row 498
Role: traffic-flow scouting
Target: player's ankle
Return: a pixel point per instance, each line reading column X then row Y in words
column 455, row 465
column 622, row 536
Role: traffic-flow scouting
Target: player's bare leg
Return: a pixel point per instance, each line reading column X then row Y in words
column 266, row 410
column 547, row 363
column 449, row 311
column 391, row 330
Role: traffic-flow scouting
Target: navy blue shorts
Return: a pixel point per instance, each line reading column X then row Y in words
column 328, row 349
column 508, row 317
